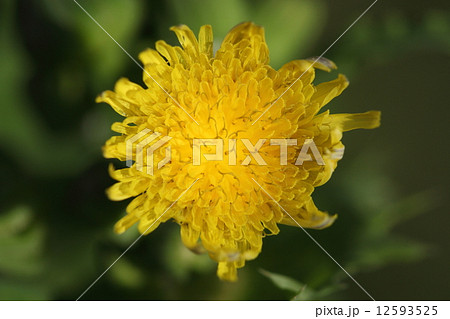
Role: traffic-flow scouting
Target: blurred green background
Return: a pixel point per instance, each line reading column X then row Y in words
column 390, row 190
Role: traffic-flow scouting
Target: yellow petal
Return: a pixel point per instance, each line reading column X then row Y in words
column 322, row 63
column 309, row 217
column 151, row 56
column 123, row 99
column 227, row 271
column 348, row 122
column 189, row 236
column 327, row 91
column 123, row 190
column 205, row 40
column 167, row 51
column 186, row 38
column 126, row 222
column 245, row 30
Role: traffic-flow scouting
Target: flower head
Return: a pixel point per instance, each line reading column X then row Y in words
column 226, row 205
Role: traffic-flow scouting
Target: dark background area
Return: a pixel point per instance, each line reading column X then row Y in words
column 390, row 190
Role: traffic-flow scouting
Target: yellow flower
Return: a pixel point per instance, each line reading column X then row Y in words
column 227, row 95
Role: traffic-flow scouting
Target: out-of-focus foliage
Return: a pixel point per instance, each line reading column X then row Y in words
column 56, row 224
column 374, row 243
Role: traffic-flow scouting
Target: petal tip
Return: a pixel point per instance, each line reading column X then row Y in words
column 322, row 63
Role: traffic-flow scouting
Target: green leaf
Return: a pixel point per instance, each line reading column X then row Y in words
column 302, row 292
column 323, row 294
column 283, row 282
